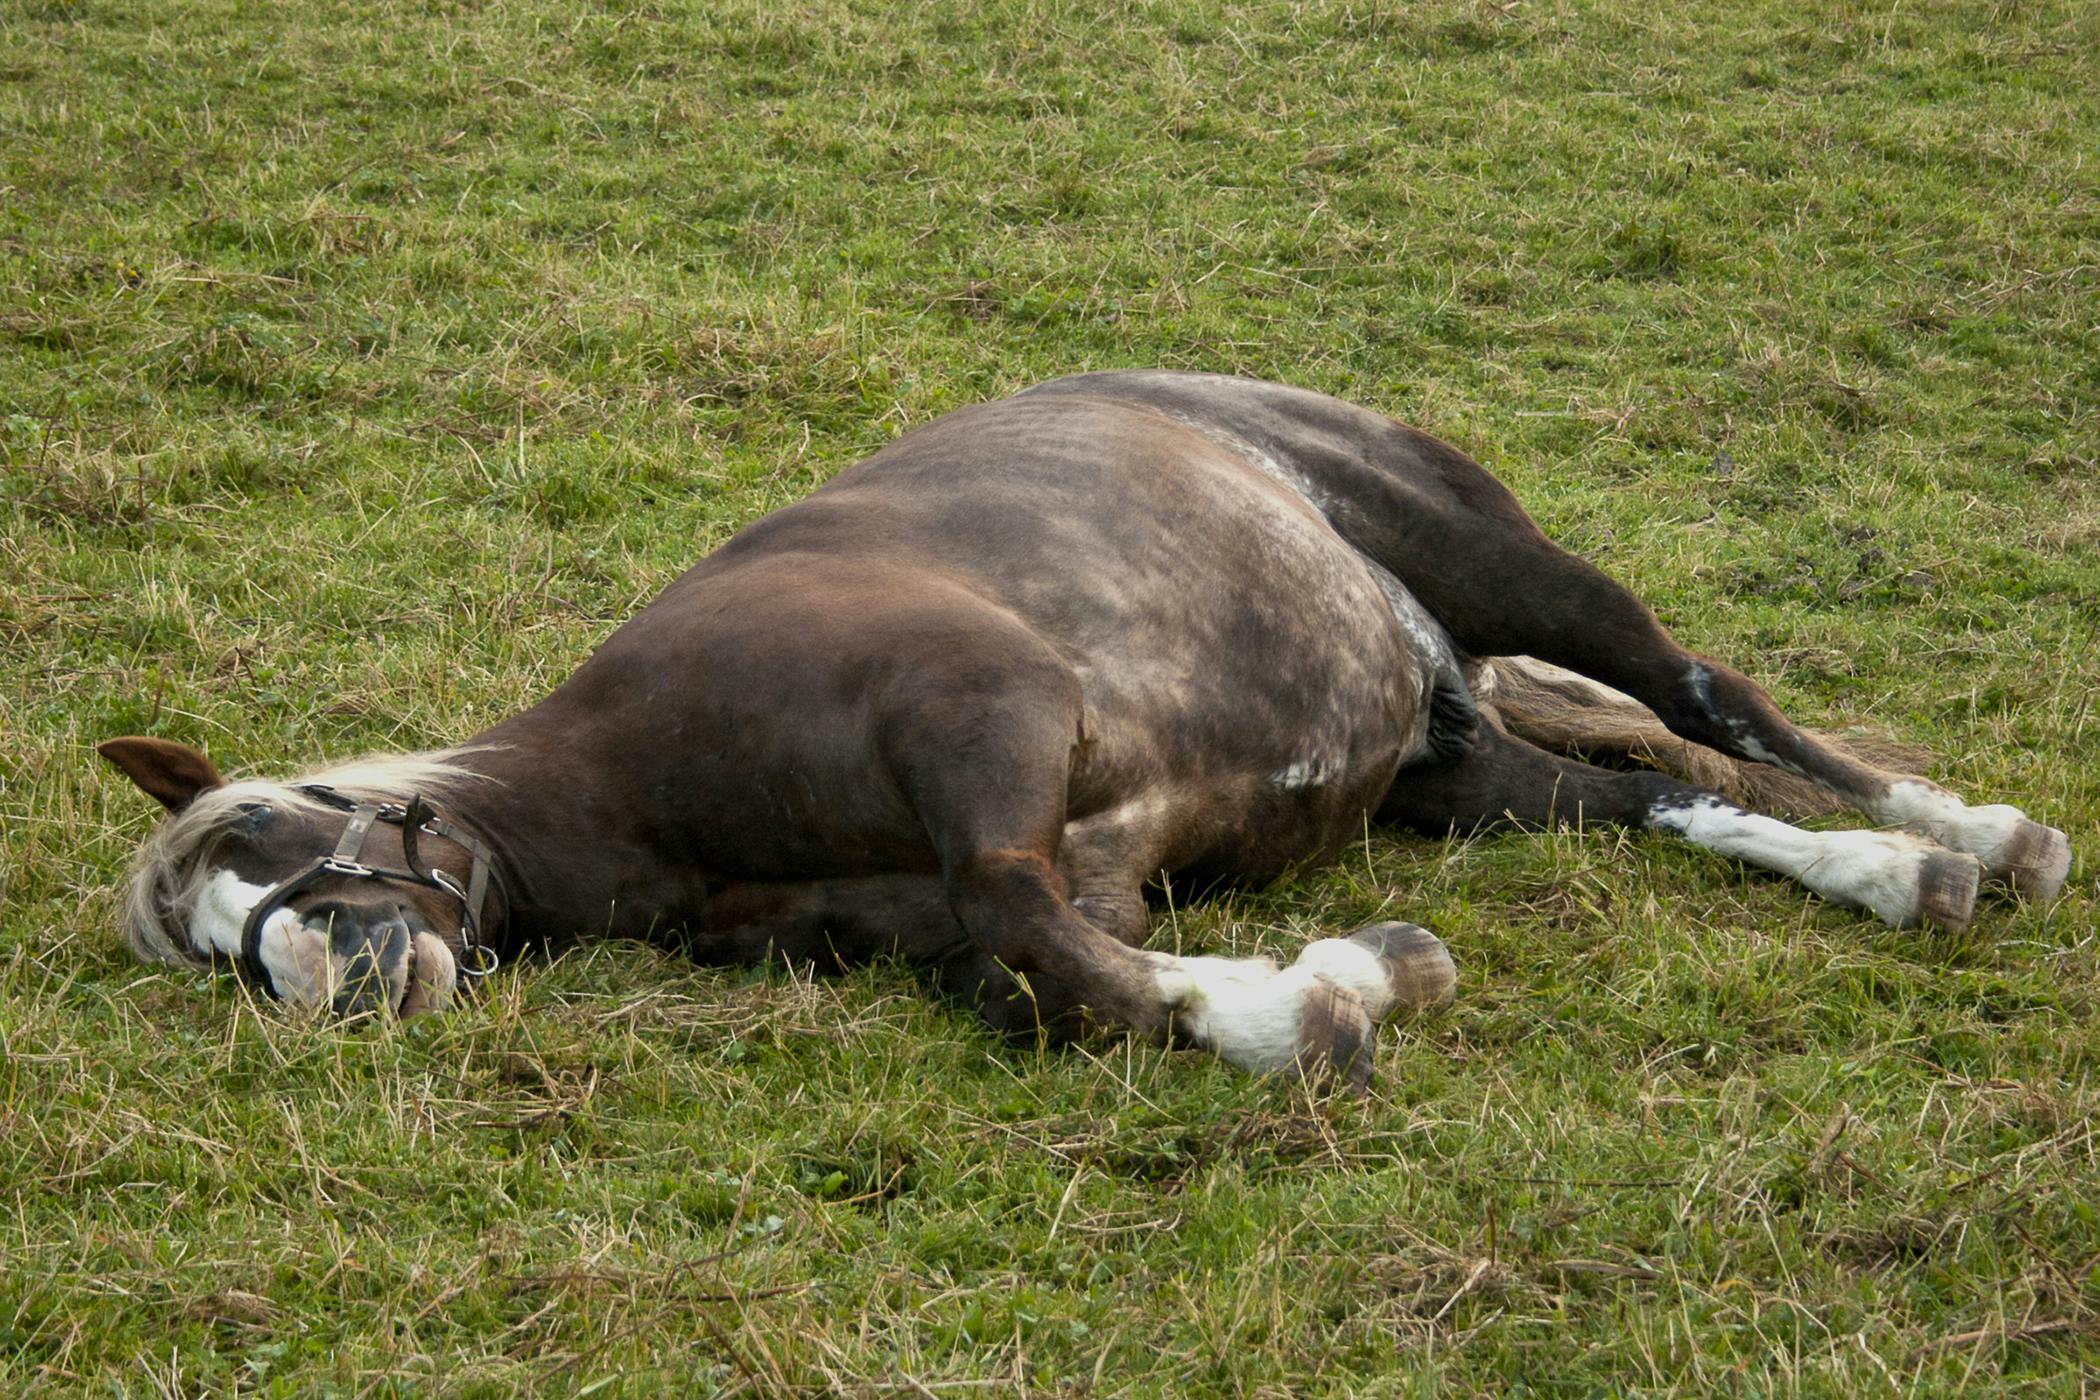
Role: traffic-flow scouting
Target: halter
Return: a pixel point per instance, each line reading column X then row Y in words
column 476, row 959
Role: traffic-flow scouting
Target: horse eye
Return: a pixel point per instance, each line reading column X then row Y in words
column 254, row 817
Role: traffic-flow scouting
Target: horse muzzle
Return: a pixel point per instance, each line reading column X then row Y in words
column 358, row 961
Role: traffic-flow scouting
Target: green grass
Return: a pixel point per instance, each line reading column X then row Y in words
column 361, row 367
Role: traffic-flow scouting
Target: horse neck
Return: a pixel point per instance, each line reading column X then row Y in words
column 572, row 853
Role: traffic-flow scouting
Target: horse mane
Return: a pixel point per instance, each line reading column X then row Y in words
column 170, row 870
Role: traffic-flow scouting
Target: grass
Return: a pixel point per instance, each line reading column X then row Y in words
column 362, row 366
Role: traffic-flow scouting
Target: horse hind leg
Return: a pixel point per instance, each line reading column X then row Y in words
column 1901, row 879
column 1561, row 710
column 1712, row 704
column 1463, row 546
column 1522, row 595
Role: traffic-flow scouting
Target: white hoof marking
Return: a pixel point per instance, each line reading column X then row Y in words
column 1249, row 1014
column 2034, row 859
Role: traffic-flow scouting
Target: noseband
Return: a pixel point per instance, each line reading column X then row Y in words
column 476, row 958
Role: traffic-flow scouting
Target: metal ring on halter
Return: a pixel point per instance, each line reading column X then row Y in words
column 483, row 958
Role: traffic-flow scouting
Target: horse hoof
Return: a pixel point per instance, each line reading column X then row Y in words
column 1416, row 963
column 1947, row 884
column 1337, row 1042
column 2035, row 861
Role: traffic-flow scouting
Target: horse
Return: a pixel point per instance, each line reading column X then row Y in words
column 967, row 701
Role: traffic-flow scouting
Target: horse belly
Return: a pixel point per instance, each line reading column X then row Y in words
column 1259, row 737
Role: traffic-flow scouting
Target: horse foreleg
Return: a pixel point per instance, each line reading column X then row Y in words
column 986, row 768
column 834, row 924
column 1903, row 880
column 827, row 924
column 1321, row 1010
column 1320, row 1015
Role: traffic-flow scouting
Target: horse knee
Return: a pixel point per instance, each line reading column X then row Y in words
column 1004, row 898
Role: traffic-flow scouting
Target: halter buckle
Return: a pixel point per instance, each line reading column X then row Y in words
column 335, row 865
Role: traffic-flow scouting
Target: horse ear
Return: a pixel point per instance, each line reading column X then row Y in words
column 170, row 773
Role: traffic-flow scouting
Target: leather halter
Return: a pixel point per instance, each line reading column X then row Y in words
column 476, row 958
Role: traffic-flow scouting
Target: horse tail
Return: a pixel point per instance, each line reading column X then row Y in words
column 1574, row 715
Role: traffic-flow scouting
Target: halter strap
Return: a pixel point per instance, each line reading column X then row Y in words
column 476, row 958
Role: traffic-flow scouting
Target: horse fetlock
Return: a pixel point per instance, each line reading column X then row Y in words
column 1905, row 881
column 2031, row 859
column 1319, row 1016
column 1254, row 1017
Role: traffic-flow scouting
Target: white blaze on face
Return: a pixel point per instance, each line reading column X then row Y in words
column 295, row 956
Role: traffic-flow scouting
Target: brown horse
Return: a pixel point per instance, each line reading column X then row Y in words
column 963, row 703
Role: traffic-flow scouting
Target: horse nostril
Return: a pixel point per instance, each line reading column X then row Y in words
column 360, row 987
column 367, row 959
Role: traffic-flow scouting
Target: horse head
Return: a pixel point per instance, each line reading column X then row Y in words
column 347, row 891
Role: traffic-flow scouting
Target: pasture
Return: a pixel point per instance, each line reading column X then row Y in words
column 362, row 366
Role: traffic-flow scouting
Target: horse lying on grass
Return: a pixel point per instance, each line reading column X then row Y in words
column 964, row 702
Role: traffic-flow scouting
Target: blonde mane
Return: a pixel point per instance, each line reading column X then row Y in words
column 172, row 867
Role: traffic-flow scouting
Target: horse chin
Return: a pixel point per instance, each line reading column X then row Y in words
column 433, row 976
